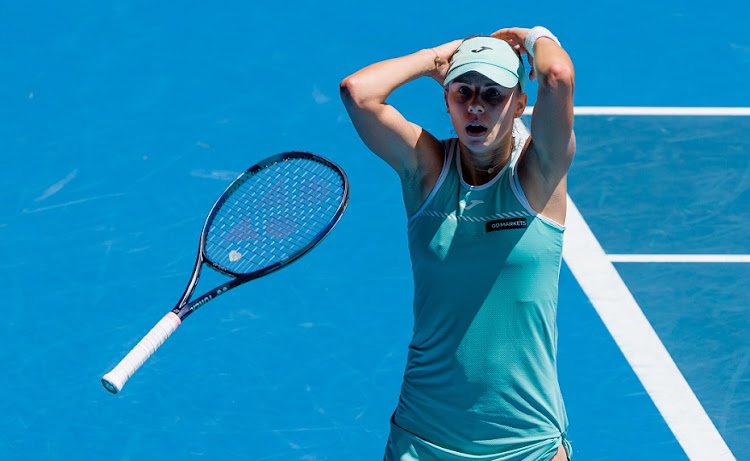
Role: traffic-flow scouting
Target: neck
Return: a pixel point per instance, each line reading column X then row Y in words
column 479, row 169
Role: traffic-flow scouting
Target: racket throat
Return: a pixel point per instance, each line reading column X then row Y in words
column 182, row 310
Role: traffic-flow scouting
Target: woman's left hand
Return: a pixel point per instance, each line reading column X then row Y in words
column 516, row 37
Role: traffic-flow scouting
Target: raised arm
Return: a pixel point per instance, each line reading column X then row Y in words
column 404, row 145
column 552, row 139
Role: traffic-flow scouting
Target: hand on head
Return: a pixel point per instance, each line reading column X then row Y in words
column 516, row 36
column 443, row 54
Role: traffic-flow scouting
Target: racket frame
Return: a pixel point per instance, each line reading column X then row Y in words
column 116, row 379
column 185, row 307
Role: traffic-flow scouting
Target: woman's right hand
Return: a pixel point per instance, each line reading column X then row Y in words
column 443, row 55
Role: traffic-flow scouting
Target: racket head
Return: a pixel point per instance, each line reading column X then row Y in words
column 273, row 213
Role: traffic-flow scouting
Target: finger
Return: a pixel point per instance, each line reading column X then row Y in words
column 509, row 32
column 503, row 33
column 512, row 41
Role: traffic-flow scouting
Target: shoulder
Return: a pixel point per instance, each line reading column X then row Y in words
column 432, row 155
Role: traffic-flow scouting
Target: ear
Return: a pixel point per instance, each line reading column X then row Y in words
column 523, row 98
column 445, row 96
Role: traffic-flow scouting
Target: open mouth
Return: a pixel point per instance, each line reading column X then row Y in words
column 475, row 129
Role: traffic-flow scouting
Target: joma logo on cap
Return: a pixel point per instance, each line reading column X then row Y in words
column 479, row 50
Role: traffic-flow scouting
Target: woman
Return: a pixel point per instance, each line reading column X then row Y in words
column 486, row 213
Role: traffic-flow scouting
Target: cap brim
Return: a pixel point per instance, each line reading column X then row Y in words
column 502, row 77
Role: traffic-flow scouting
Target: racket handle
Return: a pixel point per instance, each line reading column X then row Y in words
column 115, row 379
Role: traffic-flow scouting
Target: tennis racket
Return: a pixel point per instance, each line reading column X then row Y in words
column 268, row 217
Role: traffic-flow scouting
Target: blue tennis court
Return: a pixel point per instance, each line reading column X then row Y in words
column 123, row 121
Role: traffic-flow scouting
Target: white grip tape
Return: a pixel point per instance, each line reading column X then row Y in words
column 115, row 379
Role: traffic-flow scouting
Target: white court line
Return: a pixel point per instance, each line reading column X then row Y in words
column 692, row 258
column 640, row 344
column 683, row 111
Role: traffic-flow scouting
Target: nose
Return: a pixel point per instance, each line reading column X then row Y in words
column 475, row 108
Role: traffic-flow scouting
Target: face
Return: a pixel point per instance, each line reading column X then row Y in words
column 482, row 111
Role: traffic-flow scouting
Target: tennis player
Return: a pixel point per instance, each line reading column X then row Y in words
column 486, row 214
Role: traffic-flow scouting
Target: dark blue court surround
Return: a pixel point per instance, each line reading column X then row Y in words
column 679, row 185
column 123, row 121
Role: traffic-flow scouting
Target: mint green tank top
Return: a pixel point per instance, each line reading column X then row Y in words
column 481, row 374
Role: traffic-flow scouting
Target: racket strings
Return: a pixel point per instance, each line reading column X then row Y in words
column 274, row 214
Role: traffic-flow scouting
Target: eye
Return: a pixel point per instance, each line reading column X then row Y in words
column 464, row 90
column 493, row 94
